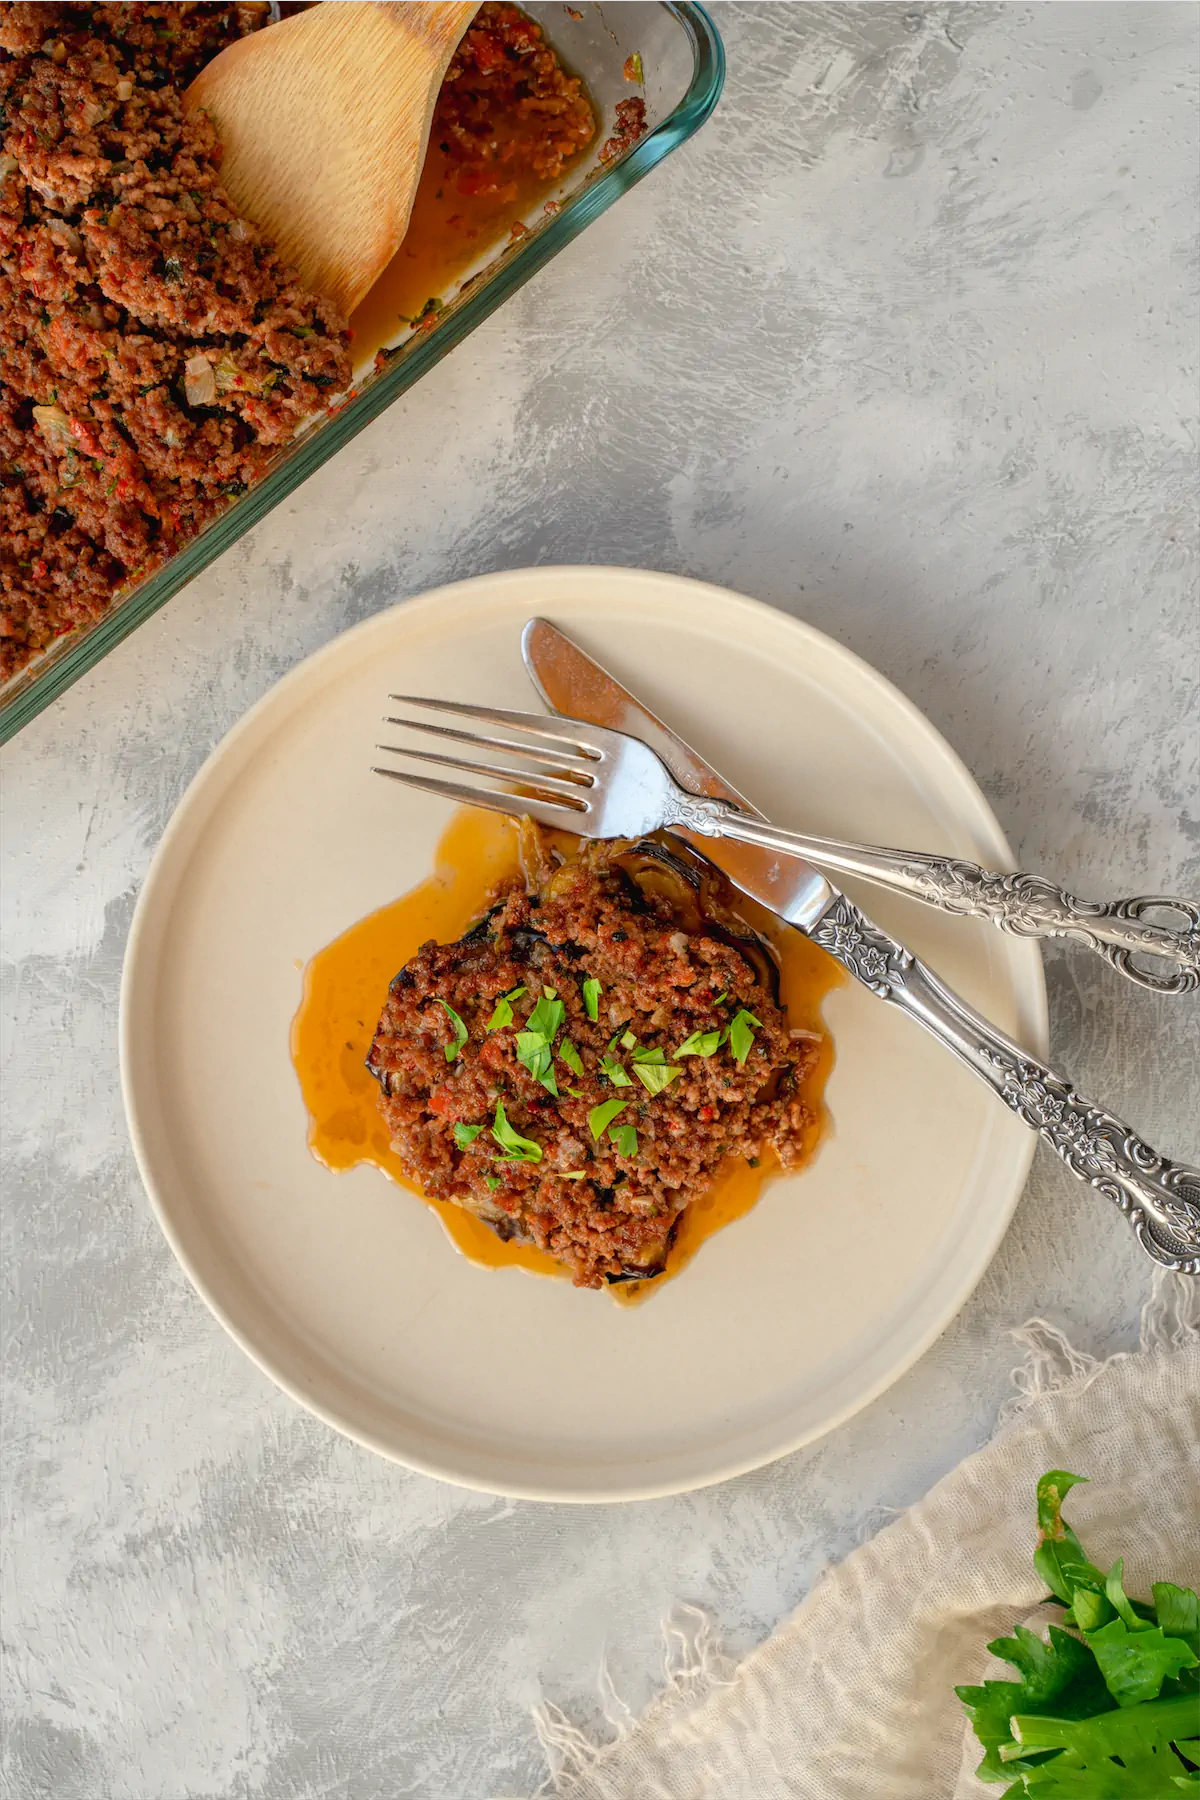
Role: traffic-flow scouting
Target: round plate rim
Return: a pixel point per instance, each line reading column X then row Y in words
column 1029, row 990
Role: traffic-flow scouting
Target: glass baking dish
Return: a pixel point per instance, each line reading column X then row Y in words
column 682, row 64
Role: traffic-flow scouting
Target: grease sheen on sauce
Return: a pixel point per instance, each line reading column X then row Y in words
column 345, row 986
column 447, row 234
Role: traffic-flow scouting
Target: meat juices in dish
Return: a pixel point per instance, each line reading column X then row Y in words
column 576, row 1070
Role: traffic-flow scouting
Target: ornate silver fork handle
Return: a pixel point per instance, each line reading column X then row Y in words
column 1160, row 1198
column 1025, row 905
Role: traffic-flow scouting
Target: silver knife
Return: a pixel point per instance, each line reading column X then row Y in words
column 1160, row 1198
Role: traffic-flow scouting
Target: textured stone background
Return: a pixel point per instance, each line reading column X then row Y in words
column 904, row 343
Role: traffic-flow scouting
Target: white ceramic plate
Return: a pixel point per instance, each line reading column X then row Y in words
column 345, row 1289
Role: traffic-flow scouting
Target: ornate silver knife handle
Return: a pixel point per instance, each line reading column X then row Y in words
column 1160, row 1198
column 1026, row 905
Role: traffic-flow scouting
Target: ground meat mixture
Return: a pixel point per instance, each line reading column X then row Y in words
column 577, row 1068
column 508, row 108
column 154, row 350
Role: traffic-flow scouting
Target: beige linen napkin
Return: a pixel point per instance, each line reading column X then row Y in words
column 853, row 1696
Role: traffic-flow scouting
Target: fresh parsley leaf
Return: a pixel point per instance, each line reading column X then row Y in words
column 466, row 1134
column 1108, row 1718
column 602, row 1116
column 572, row 1174
column 722, row 996
column 627, row 1040
column 614, row 1071
column 1057, row 1543
column 741, row 1034
column 503, row 1014
column 519, row 1149
column 1178, row 1612
column 492, row 1181
column 1118, row 1599
column 571, row 1057
column 1059, row 1676
column 653, row 1070
column 461, row 1034
column 535, row 1045
column 701, row 1043
column 591, row 998
column 1090, row 1609
column 535, row 1054
column 625, row 1139
column 1135, row 1664
column 547, row 1016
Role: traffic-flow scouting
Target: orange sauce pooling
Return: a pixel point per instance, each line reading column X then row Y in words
column 447, row 233
column 345, row 986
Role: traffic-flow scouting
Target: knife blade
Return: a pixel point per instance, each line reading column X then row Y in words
column 574, row 684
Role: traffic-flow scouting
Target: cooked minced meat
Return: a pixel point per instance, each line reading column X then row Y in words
column 508, row 1106
column 504, row 74
column 155, row 352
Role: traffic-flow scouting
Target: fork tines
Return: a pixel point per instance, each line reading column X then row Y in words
column 553, row 790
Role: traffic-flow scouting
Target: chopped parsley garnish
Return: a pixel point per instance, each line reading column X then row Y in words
column 625, row 1139
column 571, row 1057
column 741, row 1034
column 535, row 1045
column 613, row 1071
column 701, row 1043
column 723, row 995
column 503, row 1014
column 466, row 1134
column 518, row 1148
column 535, row 1054
column 547, row 1016
column 492, row 1181
column 591, row 998
column 653, row 1070
column 572, row 1174
column 627, row 1040
column 461, row 1034
column 601, row 1117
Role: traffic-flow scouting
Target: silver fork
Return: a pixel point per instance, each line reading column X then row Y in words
column 603, row 784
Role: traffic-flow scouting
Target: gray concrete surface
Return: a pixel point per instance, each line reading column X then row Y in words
column 903, row 343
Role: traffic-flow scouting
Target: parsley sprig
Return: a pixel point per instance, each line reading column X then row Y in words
column 503, row 1014
column 1111, row 1706
column 461, row 1034
column 535, row 1045
column 516, row 1148
column 653, row 1070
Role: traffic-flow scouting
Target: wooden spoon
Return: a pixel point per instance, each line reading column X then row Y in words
column 325, row 120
